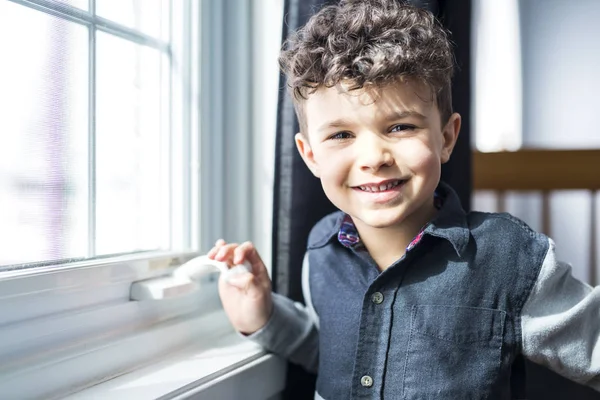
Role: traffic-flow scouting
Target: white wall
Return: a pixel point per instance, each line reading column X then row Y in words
column 561, row 73
column 561, row 87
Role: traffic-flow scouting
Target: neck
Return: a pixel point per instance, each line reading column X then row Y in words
column 387, row 245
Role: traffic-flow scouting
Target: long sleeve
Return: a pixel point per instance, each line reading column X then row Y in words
column 561, row 323
column 292, row 330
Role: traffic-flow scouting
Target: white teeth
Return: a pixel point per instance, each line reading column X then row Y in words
column 380, row 188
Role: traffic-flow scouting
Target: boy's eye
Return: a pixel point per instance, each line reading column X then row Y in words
column 340, row 135
column 401, row 127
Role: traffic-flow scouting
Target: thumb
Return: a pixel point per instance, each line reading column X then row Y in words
column 241, row 281
column 246, row 283
column 258, row 266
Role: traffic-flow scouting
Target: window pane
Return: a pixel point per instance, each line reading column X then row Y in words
column 148, row 16
column 43, row 140
column 497, row 88
column 130, row 182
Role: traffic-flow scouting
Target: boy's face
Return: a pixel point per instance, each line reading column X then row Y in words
column 378, row 153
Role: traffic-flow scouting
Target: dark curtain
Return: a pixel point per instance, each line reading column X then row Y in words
column 299, row 201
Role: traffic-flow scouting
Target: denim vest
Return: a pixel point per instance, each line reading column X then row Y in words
column 443, row 322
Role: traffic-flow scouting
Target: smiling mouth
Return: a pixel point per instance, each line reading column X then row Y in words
column 382, row 187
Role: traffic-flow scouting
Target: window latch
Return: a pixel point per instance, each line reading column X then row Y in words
column 184, row 279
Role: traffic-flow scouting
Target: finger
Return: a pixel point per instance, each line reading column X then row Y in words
column 225, row 253
column 251, row 255
column 218, row 244
column 243, row 253
column 212, row 252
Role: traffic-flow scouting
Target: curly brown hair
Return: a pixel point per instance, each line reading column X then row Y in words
column 369, row 43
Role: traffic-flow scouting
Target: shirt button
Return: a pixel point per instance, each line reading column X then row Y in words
column 366, row 381
column 377, row 298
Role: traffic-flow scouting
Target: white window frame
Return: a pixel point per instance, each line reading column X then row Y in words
column 65, row 327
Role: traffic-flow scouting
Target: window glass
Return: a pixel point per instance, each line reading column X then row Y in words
column 43, row 136
column 129, row 156
column 148, row 16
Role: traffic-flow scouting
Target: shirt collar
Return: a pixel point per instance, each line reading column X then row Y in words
column 450, row 223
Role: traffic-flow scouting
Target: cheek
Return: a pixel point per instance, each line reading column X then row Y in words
column 333, row 166
column 418, row 156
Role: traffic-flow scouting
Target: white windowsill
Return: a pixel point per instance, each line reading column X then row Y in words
column 228, row 368
column 75, row 332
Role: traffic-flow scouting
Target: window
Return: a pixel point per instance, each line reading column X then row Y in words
column 496, row 80
column 93, row 113
column 99, row 126
column 116, row 168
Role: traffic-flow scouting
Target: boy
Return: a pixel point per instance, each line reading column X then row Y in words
column 407, row 295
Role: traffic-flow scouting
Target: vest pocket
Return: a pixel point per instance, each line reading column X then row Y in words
column 453, row 352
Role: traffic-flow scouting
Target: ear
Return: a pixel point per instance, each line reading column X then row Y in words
column 450, row 135
column 307, row 154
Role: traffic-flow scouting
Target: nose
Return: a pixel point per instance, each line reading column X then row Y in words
column 374, row 153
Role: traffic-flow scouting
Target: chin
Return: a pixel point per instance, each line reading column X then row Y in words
column 382, row 219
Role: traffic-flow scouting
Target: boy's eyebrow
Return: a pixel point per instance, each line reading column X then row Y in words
column 404, row 114
column 340, row 123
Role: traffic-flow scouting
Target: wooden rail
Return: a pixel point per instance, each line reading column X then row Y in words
column 537, row 170
column 545, row 171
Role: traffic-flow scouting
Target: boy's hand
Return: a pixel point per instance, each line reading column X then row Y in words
column 246, row 297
